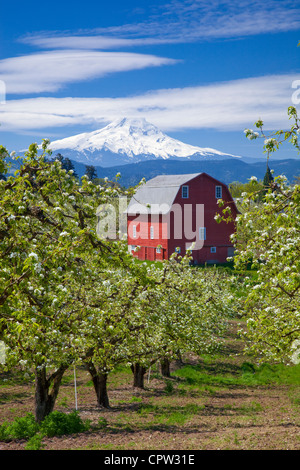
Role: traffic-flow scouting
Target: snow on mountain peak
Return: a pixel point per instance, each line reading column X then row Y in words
column 133, row 124
column 129, row 140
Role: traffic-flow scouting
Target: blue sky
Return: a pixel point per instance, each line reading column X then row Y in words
column 201, row 71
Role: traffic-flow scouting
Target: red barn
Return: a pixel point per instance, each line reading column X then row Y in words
column 176, row 213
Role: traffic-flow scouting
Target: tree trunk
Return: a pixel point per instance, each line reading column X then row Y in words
column 138, row 375
column 100, row 385
column 165, row 367
column 45, row 396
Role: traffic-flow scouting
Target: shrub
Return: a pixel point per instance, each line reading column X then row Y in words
column 35, row 442
column 55, row 424
column 21, row 428
column 58, row 424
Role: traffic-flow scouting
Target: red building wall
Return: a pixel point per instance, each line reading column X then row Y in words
column 202, row 190
column 148, row 246
column 172, row 231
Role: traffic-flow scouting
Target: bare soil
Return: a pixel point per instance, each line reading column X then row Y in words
column 213, row 418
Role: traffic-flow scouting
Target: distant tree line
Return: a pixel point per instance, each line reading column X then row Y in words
column 67, row 164
column 258, row 187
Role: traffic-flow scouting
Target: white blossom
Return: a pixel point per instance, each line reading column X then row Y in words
column 33, row 255
column 64, row 234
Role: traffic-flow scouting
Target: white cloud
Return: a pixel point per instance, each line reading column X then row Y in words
column 50, row 71
column 182, row 21
column 93, row 41
column 231, row 105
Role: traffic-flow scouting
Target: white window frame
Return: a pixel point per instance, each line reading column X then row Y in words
column 213, row 249
column 158, row 250
column 202, row 233
column 151, row 232
column 186, row 195
column 134, row 231
column 218, row 192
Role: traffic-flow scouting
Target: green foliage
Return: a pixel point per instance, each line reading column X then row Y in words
column 135, row 399
column 268, row 178
column 247, row 374
column 268, row 235
column 265, row 374
column 169, row 388
column 35, row 442
column 50, row 253
column 68, row 296
column 21, row 428
column 55, row 424
column 274, row 140
column 58, row 424
column 102, row 423
column 90, row 172
column 169, row 415
column 3, row 165
column 254, row 187
column 268, row 238
column 66, row 164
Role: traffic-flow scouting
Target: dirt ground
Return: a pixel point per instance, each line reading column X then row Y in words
column 214, row 418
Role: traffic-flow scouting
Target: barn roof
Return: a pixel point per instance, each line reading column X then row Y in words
column 158, row 194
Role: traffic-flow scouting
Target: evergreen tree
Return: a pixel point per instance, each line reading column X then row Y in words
column 268, row 178
column 66, row 163
column 90, row 172
column 59, row 157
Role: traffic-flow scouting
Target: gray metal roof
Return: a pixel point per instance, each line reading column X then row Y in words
column 158, row 194
column 170, row 180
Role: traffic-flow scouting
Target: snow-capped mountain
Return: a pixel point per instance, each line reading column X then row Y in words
column 129, row 141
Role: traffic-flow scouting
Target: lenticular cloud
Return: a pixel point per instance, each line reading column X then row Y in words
column 50, row 71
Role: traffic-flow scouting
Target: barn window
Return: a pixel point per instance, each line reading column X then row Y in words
column 202, row 233
column 158, row 250
column 218, row 192
column 213, row 249
column 185, row 192
column 134, row 231
column 151, row 232
column 133, row 247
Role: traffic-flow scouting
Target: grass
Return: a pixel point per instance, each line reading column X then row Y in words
column 168, row 415
column 220, row 401
column 202, row 375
